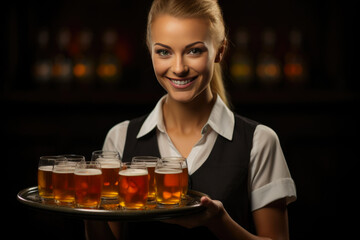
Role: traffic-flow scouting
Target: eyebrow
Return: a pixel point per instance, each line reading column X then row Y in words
column 187, row 46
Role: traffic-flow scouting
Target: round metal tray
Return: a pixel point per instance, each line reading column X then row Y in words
column 190, row 205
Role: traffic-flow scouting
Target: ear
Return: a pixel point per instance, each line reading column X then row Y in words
column 221, row 51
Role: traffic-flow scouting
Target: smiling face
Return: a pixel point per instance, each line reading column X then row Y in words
column 183, row 56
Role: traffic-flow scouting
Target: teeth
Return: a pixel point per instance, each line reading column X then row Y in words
column 180, row 82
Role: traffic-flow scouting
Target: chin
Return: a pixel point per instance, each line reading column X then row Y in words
column 183, row 97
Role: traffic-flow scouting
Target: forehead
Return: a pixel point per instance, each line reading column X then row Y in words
column 173, row 30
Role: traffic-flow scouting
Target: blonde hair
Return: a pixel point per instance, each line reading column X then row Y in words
column 208, row 9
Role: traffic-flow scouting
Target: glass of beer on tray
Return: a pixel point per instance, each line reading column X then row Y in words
column 110, row 166
column 45, row 172
column 88, row 184
column 75, row 158
column 185, row 174
column 63, row 182
column 133, row 186
column 168, row 176
column 150, row 163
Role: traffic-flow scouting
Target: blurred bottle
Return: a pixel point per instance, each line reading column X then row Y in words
column 62, row 64
column 109, row 68
column 295, row 69
column 84, row 64
column 42, row 61
column 124, row 49
column 268, row 67
column 242, row 68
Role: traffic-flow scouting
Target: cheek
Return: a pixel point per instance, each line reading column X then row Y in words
column 160, row 66
column 203, row 66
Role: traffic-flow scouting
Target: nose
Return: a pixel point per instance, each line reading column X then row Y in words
column 179, row 67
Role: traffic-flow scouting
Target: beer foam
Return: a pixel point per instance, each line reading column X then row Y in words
column 107, row 160
column 46, row 168
column 145, row 164
column 88, row 172
column 110, row 164
column 168, row 171
column 64, row 170
column 150, row 164
column 133, row 172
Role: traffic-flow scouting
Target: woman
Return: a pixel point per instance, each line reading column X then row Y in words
column 234, row 160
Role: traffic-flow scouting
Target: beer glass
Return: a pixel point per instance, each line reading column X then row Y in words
column 88, row 184
column 168, row 182
column 185, row 174
column 110, row 166
column 150, row 163
column 63, row 182
column 133, row 186
column 73, row 158
column 45, row 172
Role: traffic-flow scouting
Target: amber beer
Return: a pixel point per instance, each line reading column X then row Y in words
column 45, row 182
column 133, row 188
column 185, row 173
column 88, row 185
column 110, row 171
column 63, row 184
column 151, row 175
column 168, row 185
column 45, row 172
column 110, row 165
column 184, row 182
column 150, row 163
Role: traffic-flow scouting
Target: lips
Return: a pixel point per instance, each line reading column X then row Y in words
column 181, row 83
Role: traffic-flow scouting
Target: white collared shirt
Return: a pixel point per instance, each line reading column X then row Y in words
column 269, row 176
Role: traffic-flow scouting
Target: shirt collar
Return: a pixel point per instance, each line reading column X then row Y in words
column 221, row 120
column 154, row 119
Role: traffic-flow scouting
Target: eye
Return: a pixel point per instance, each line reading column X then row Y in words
column 195, row 51
column 162, row 52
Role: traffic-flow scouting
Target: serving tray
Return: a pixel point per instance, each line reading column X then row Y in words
column 190, row 205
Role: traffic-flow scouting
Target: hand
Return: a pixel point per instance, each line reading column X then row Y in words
column 214, row 209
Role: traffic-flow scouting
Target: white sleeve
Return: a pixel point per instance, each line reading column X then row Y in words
column 116, row 137
column 269, row 177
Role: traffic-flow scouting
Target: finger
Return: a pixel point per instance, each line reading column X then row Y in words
column 208, row 202
column 213, row 206
column 205, row 201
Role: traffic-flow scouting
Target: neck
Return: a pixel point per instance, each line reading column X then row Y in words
column 190, row 115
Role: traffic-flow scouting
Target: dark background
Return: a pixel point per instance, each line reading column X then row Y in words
column 316, row 122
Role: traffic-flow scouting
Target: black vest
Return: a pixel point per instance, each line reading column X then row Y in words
column 223, row 176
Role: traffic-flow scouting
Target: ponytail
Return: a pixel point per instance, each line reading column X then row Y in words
column 217, row 84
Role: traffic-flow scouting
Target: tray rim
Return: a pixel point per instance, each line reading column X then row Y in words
column 111, row 215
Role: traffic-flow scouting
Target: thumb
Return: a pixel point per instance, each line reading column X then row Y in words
column 206, row 201
column 214, row 208
column 211, row 205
